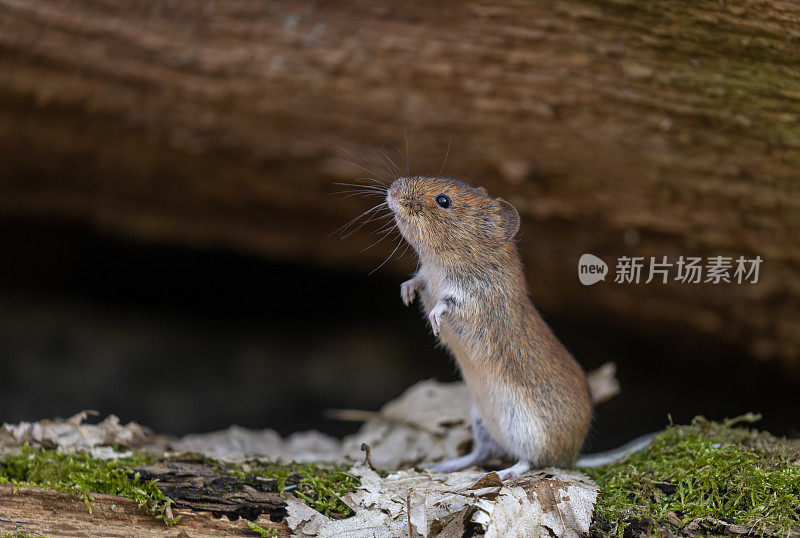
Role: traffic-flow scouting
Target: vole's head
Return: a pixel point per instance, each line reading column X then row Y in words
column 444, row 217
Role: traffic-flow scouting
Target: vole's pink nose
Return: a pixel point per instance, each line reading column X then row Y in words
column 394, row 191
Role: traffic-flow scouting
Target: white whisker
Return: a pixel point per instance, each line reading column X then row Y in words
column 351, row 222
column 445, row 155
column 362, row 186
column 384, row 236
column 408, row 154
column 399, row 243
column 354, row 230
column 389, row 158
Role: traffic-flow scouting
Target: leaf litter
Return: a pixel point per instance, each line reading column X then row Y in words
column 430, row 422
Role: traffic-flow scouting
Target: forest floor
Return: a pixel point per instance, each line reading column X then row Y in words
column 706, row 478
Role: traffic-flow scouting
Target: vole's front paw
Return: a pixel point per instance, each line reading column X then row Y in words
column 435, row 317
column 408, row 290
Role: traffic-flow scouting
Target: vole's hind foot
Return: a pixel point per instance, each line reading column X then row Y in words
column 459, row 463
column 515, row 471
column 408, row 290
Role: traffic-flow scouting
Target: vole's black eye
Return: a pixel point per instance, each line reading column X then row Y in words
column 443, row 201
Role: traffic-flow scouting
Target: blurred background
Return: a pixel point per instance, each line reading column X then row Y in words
column 168, row 180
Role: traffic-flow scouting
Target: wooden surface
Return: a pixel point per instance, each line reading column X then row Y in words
column 201, row 487
column 617, row 127
column 54, row 514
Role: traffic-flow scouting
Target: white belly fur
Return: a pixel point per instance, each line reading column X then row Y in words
column 507, row 416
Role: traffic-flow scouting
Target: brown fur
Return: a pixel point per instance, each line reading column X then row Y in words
column 496, row 335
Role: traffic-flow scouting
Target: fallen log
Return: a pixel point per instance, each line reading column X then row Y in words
column 52, row 513
column 200, row 487
column 616, row 127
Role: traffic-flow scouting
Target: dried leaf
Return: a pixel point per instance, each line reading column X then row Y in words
column 549, row 503
column 603, row 383
column 74, row 434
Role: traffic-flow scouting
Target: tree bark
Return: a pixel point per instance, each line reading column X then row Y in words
column 617, row 127
column 203, row 487
column 37, row 512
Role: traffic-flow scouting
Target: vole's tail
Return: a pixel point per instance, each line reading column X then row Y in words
column 616, row 454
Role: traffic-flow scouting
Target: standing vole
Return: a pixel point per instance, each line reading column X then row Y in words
column 531, row 401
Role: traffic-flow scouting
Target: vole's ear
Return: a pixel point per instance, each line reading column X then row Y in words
column 510, row 219
column 482, row 190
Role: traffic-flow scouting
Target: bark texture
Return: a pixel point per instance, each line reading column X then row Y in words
column 617, row 127
column 201, row 487
column 35, row 512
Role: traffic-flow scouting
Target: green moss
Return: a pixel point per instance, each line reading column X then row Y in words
column 262, row 532
column 321, row 488
column 708, row 469
column 83, row 476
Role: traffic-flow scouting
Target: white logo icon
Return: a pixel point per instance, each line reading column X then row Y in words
column 591, row 269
